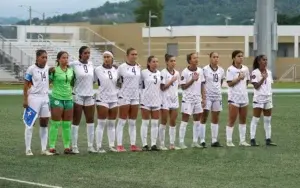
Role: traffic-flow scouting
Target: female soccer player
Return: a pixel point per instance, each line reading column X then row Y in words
column 83, row 98
column 170, row 79
column 150, row 102
column 107, row 101
column 129, row 74
column 262, row 80
column 62, row 77
column 237, row 77
column 214, row 77
column 35, row 92
column 193, row 99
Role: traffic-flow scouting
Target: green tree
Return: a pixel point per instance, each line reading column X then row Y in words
column 142, row 11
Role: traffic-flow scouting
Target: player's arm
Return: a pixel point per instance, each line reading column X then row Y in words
column 255, row 82
column 231, row 81
column 184, row 83
column 223, row 77
column 120, row 78
column 248, row 77
column 27, row 83
column 203, row 93
column 51, row 74
column 164, row 86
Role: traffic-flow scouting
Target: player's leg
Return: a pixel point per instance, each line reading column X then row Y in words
column 124, row 106
column 233, row 110
column 173, row 113
column 267, row 111
column 257, row 109
column 186, row 111
column 133, row 113
column 198, row 128
column 202, row 126
column 102, row 114
column 89, row 112
column 164, row 113
column 154, row 128
column 215, row 113
column 111, row 123
column 66, row 125
column 77, row 113
column 145, row 111
column 243, row 110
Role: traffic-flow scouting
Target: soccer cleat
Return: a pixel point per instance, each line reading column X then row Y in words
column 244, row 143
column 46, row 152
column 253, row 142
column 134, row 148
column 230, row 144
column 163, row 148
column 29, row 153
column 75, row 150
column 53, row 151
column 154, row 148
column 182, row 146
column 173, row 147
column 203, row 145
column 270, row 143
column 68, row 151
column 101, row 150
column 113, row 149
column 91, row 150
column 146, row 148
column 121, row 149
column 195, row 145
column 216, row 144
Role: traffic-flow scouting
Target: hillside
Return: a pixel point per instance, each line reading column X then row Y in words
column 179, row 12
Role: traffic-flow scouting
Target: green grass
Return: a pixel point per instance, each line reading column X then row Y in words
column 212, row 167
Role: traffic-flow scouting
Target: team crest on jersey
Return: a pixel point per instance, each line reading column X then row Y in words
column 253, row 76
column 182, row 78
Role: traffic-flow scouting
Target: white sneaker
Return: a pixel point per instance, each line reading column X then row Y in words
column 113, row 149
column 75, row 150
column 230, row 144
column 244, row 143
column 173, row 147
column 29, row 153
column 46, row 152
column 163, row 148
column 100, row 150
column 92, row 150
column 196, row 145
column 182, row 146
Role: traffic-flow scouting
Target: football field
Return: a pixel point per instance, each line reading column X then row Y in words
column 236, row 167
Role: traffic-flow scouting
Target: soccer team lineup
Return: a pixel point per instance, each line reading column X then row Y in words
column 125, row 90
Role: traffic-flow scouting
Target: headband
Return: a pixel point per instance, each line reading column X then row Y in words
column 108, row 53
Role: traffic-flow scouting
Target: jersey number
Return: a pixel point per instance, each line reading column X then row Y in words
column 43, row 76
column 110, row 75
column 155, row 78
column 85, row 69
column 133, row 70
column 215, row 77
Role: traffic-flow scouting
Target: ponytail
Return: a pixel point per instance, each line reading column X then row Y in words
column 256, row 61
column 149, row 61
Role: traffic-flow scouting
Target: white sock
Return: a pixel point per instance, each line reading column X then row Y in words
column 242, row 130
column 172, row 134
column 99, row 132
column 90, row 131
column 144, row 131
column 229, row 131
column 267, row 126
column 162, row 134
column 111, row 132
column 44, row 137
column 28, row 137
column 120, row 126
column 202, row 130
column 74, row 130
column 196, row 131
column 154, row 131
column 132, row 131
column 254, row 123
column 182, row 130
column 214, row 132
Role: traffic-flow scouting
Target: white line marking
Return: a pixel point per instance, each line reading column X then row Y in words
column 28, row 182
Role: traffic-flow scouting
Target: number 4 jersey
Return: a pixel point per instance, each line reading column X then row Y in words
column 213, row 82
column 151, row 88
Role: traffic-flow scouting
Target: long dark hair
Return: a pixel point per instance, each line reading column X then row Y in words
column 81, row 50
column 257, row 60
column 59, row 54
column 149, row 60
column 189, row 57
column 234, row 54
column 39, row 53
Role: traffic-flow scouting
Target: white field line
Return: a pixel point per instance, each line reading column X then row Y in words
column 29, row 183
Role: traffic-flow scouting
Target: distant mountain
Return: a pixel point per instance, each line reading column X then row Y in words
column 178, row 12
column 10, row 20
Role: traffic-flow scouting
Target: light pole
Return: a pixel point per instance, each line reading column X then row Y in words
column 150, row 17
column 227, row 18
column 30, row 12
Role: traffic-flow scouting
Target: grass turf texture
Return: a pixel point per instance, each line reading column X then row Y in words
column 212, row 167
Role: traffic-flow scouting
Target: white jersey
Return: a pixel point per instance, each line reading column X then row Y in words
column 193, row 93
column 39, row 78
column 172, row 92
column 238, row 93
column 213, row 82
column 84, row 78
column 151, row 88
column 107, row 82
column 264, row 93
column 130, row 76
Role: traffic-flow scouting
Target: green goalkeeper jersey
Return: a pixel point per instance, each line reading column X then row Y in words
column 62, row 82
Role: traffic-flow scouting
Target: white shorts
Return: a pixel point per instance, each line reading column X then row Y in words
column 214, row 106
column 109, row 105
column 40, row 104
column 122, row 102
column 84, row 100
column 169, row 105
column 239, row 105
column 150, row 108
column 265, row 106
column 191, row 108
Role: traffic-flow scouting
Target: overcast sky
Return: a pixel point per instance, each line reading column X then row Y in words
column 10, row 8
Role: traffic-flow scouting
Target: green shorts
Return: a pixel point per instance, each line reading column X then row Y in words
column 64, row 104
